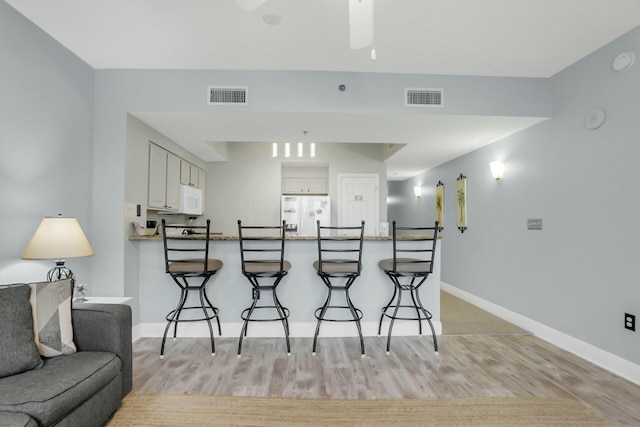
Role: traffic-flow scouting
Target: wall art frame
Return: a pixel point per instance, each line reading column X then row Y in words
column 461, row 202
column 440, row 205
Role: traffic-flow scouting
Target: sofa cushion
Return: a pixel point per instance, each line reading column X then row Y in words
column 60, row 386
column 19, row 352
column 51, row 302
column 9, row 419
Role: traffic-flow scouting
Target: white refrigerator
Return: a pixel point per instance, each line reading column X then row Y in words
column 302, row 212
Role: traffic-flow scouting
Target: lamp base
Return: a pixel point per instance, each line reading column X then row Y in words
column 59, row 272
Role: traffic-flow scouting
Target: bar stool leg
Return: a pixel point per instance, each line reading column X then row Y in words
column 320, row 317
column 428, row 315
column 243, row 332
column 354, row 313
column 395, row 314
column 385, row 308
column 215, row 311
column 285, row 323
column 171, row 317
column 285, row 318
column 184, row 291
column 206, row 317
column 413, row 291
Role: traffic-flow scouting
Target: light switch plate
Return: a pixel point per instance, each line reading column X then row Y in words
column 534, row 224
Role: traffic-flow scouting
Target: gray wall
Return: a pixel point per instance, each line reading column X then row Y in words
column 118, row 92
column 579, row 274
column 46, row 114
column 248, row 185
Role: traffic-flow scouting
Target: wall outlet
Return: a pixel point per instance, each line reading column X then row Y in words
column 534, row 224
column 630, row 322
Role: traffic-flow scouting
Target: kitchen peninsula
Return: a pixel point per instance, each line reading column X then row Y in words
column 248, row 183
column 301, row 290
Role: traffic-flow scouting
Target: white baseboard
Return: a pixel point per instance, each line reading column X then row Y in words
column 274, row 329
column 595, row 355
column 136, row 333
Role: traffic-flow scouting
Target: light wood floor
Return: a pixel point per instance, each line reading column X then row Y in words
column 467, row 366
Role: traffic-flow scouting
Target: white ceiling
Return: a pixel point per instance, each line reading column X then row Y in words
column 525, row 38
column 431, row 139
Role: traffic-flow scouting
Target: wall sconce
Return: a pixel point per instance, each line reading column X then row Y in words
column 417, row 190
column 274, row 149
column 497, row 169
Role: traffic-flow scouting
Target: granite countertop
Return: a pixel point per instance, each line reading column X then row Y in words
column 220, row 237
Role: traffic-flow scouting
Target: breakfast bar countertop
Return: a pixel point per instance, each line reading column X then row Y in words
column 301, row 290
column 220, row 237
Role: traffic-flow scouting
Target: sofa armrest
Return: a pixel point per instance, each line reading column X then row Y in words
column 105, row 327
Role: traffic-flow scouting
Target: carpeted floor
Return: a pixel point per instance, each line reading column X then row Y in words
column 461, row 318
column 183, row 410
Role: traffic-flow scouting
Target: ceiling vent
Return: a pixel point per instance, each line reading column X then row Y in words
column 423, row 97
column 227, row 95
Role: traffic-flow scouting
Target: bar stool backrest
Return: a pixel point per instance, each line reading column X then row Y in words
column 340, row 250
column 260, row 247
column 177, row 251
column 414, row 249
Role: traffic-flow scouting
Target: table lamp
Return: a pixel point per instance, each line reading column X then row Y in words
column 58, row 238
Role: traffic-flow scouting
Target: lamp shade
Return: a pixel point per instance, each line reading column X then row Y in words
column 58, row 238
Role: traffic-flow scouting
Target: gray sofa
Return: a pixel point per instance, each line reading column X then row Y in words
column 80, row 389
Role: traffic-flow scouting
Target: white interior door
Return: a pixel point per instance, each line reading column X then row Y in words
column 359, row 200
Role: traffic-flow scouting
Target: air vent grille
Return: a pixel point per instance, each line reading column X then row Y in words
column 424, row 97
column 227, row 95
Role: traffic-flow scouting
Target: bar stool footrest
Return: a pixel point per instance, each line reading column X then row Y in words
column 244, row 313
column 325, row 319
column 171, row 315
column 429, row 316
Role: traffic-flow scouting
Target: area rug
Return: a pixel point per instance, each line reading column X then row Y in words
column 459, row 317
column 186, row 410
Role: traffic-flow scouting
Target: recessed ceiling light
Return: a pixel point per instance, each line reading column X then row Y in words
column 271, row 19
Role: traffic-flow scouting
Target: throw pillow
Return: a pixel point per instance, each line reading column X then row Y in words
column 19, row 352
column 51, row 302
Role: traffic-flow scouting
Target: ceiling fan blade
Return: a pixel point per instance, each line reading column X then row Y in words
column 249, row 5
column 361, row 23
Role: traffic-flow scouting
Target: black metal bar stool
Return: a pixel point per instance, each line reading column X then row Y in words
column 262, row 258
column 196, row 266
column 339, row 258
column 420, row 242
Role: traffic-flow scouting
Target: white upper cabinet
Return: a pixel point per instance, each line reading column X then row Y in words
column 202, row 180
column 189, row 174
column 305, row 179
column 173, row 181
column 157, row 177
column 303, row 185
column 316, row 185
column 164, row 179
